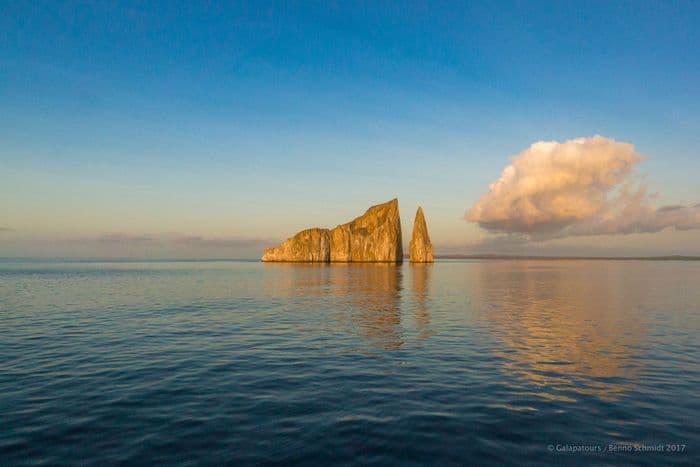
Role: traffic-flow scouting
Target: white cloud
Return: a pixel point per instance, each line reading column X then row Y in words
column 584, row 186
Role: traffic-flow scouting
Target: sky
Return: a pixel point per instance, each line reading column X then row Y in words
column 198, row 129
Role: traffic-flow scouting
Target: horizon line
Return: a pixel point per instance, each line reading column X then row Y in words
column 437, row 257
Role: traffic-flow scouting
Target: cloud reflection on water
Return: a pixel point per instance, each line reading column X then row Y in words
column 568, row 331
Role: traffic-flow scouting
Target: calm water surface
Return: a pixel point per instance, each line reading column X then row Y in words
column 484, row 362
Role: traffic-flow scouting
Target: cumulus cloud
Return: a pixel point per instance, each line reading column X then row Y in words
column 584, row 186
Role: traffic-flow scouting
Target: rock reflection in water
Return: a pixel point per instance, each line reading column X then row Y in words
column 420, row 288
column 372, row 292
column 365, row 296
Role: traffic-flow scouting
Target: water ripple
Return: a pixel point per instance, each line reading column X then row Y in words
column 245, row 363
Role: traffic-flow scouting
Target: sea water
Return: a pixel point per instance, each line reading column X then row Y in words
column 459, row 362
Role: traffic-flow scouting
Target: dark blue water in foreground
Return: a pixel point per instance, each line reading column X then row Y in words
column 482, row 362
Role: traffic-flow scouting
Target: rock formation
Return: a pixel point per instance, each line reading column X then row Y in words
column 375, row 236
column 420, row 248
column 309, row 246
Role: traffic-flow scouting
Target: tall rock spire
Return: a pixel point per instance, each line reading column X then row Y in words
column 420, row 249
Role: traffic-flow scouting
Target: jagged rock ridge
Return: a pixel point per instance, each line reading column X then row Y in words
column 420, row 249
column 375, row 236
column 308, row 246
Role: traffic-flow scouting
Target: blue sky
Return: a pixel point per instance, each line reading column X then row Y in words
column 128, row 127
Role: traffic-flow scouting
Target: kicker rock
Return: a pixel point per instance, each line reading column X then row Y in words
column 420, row 248
column 309, row 246
column 375, row 236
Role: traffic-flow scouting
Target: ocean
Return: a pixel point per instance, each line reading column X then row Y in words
column 486, row 362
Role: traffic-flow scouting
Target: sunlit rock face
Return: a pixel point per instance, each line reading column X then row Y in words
column 341, row 243
column 308, row 246
column 420, row 248
column 375, row 236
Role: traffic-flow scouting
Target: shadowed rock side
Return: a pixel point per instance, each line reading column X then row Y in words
column 308, row 246
column 373, row 237
column 420, row 248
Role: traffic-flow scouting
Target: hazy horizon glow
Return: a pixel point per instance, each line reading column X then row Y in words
column 168, row 130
